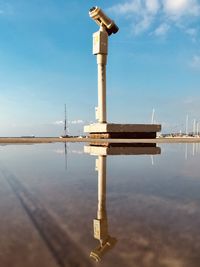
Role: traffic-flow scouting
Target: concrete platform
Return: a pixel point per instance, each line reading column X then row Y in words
column 126, row 131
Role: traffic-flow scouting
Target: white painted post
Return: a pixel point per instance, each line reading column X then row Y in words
column 100, row 49
column 101, row 61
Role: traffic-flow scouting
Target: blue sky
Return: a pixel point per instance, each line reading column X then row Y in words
column 46, row 60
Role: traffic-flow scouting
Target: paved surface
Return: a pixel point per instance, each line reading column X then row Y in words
column 17, row 249
column 30, row 234
column 18, row 140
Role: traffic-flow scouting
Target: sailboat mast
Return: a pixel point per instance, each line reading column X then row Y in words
column 152, row 116
column 65, row 125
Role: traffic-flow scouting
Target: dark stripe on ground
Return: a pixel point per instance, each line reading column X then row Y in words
column 65, row 251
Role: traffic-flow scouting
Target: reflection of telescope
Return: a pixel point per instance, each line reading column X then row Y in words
column 100, row 224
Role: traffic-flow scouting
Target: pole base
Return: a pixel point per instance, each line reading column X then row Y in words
column 122, row 131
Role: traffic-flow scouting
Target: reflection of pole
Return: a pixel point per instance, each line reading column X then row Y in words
column 186, row 151
column 101, row 213
column 152, row 160
column 65, row 156
column 101, row 223
column 196, row 148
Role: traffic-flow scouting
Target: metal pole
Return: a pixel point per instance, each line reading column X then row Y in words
column 152, row 116
column 101, row 62
column 65, row 126
column 186, row 126
column 194, row 126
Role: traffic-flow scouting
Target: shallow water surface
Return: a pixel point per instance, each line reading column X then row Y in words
column 70, row 205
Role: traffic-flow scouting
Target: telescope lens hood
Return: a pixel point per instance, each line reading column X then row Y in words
column 114, row 28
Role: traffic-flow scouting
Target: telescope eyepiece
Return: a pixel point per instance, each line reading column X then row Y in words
column 92, row 9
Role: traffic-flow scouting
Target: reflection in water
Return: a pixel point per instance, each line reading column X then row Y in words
column 186, row 151
column 47, row 214
column 152, row 160
column 65, row 156
column 100, row 224
column 194, row 148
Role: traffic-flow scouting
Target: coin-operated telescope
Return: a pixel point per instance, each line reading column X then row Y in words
column 103, row 20
column 102, row 129
column 100, row 49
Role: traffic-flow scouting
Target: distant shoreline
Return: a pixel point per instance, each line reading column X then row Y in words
column 38, row 140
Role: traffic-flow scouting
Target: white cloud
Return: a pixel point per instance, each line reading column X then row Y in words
column 59, row 122
column 142, row 25
column 162, row 29
column 170, row 13
column 181, row 7
column 191, row 31
column 69, row 122
column 127, row 8
column 195, row 63
column 175, row 6
column 141, row 13
column 152, row 6
column 77, row 122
